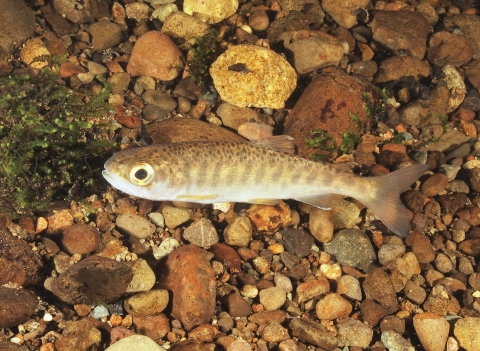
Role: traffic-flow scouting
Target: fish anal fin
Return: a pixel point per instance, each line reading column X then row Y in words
column 197, row 198
column 271, row 202
column 324, row 201
column 284, row 143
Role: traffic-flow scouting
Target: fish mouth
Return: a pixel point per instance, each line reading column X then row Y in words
column 116, row 182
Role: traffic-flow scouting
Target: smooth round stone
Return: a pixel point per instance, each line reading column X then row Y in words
column 283, row 282
column 432, row 330
column 349, row 286
column 135, row 225
column 333, row 306
column 135, row 342
column 143, row 276
column 239, row 232
column 147, row 303
column 272, row 298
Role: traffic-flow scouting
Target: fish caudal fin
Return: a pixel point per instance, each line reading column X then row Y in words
column 385, row 201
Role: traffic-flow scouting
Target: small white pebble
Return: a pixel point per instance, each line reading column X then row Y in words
column 17, row 340
column 47, row 317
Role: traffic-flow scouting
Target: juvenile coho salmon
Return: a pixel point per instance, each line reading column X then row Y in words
column 253, row 172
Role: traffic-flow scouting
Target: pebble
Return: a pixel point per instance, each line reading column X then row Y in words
column 33, row 49
column 414, row 292
column 372, row 312
column 470, row 246
column 237, row 306
column 312, row 289
column 80, row 335
column 378, row 287
column 227, row 255
column 450, row 171
column 258, row 19
column 80, row 239
column 396, row 67
column 147, row 303
column 238, row 345
column 443, row 263
column 233, row 116
column 393, row 341
column 21, row 266
column 210, row 11
column 135, row 225
column 261, row 264
column 98, row 276
column 203, row 333
column 275, row 333
column 389, row 252
column 321, row 225
column 345, row 214
column 272, row 298
column 76, row 14
column 17, row 306
column 239, row 232
column 157, row 219
column 333, row 306
column 19, row 25
column 353, row 248
column 469, row 25
column 352, row 332
column 105, row 35
column 283, row 282
column 349, row 286
column 143, row 276
column 175, row 216
column 137, row 11
column 155, row 326
column 445, row 48
column 165, row 248
column 180, row 25
column 456, row 85
column 267, row 81
column 343, row 11
column 313, row 333
column 297, row 242
column 201, row 233
column 155, row 55
column 421, row 247
column 164, row 11
column 120, row 82
column 331, row 271
column 465, row 330
column 401, row 31
column 162, row 100
column 432, row 330
column 134, row 342
column 313, row 50
column 188, row 269
column 269, row 219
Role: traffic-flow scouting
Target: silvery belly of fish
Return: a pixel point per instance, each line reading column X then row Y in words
column 253, row 172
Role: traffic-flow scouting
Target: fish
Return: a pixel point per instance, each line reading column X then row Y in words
column 259, row 172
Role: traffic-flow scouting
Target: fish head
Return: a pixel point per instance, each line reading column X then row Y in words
column 135, row 173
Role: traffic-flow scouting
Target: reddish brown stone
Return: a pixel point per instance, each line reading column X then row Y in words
column 154, row 327
column 470, row 247
column 434, row 185
column 203, row 333
column 17, row 306
column 447, row 48
column 19, row 264
column 326, row 104
column 372, row 312
column 379, row 287
column 227, row 255
column 470, row 214
column 80, row 239
column 130, row 121
column 421, row 247
column 189, row 276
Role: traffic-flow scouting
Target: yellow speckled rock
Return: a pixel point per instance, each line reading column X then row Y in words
column 210, row 11
column 253, row 76
column 32, row 52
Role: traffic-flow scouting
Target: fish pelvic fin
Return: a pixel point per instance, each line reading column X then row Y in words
column 385, row 199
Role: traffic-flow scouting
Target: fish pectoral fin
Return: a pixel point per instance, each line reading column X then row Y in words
column 324, row 201
column 284, row 143
column 271, row 202
column 194, row 198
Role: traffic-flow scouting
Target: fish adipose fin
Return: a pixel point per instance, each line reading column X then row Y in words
column 385, row 198
column 282, row 143
column 324, row 201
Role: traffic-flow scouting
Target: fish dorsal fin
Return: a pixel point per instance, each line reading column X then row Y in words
column 324, row 201
column 282, row 143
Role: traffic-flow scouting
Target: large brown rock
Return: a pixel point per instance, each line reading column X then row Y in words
column 188, row 274
column 17, row 305
column 19, row 264
column 187, row 129
column 155, row 55
column 326, row 104
column 94, row 279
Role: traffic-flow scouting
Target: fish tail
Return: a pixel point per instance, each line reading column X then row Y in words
column 385, row 199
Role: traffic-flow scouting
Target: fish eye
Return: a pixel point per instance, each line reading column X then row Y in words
column 141, row 174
